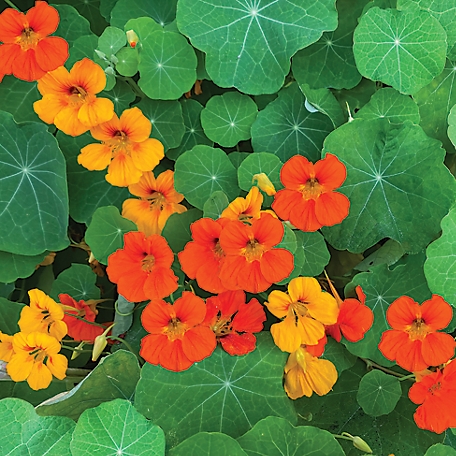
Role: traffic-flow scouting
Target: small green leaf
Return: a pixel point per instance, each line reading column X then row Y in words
column 289, row 240
column 378, row 393
column 10, row 313
column 121, row 95
column 18, row 97
column 259, row 162
column 114, row 377
column 440, row 450
column 116, row 428
column 227, row 118
column 286, row 128
column 78, row 281
column 202, row 171
column 105, row 233
column 111, row 41
column 14, row 267
column 316, row 254
column 123, row 318
column 177, row 229
column 143, row 27
column 215, row 205
column 162, row 11
column 404, row 49
column 128, row 61
column 205, row 443
column 389, row 253
column 81, row 47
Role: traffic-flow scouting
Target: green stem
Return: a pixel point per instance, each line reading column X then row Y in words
column 75, row 349
column 8, row 2
column 343, row 437
column 407, row 377
column 133, row 85
column 84, row 320
column 371, row 365
column 130, row 348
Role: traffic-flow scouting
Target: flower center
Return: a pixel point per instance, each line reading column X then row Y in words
column 38, row 354
column 253, row 250
column 222, row 327
column 312, row 189
column 435, row 388
column 28, row 39
column 147, row 263
column 418, row 329
column 78, row 96
column 218, row 251
column 175, row 329
column 157, row 201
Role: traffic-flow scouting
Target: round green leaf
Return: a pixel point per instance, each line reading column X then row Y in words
column 440, row 265
column 105, row 233
column 435, row 101
column 382, row 286
column 249, row 45
column 34, row 202
column 316, row 254
column 330, row 62
column 23, row 432
column 289, row 239
column 286, row 128
column 18, row 97
column 13, row 266
column 202, row 171
column 397, row 184
column 274, row 436
column 389, row 253
column 162, row 11
column 128, row 61
column 166, row 118
column 378, row 393
column 215, row 205
column 219, row 394
column 194, row 133
column 114, row 377
column 452, row 125
column 111, row 40
column 78, row 281
column 10, row 313
column 143, row 27
column 177, row 229
column 404, row 49
column 440, row 450
column 121, row 95
column 389, row 104
column 260, row 162
column 88, row 190
column 227, row 118
column 338, row 355
column 205, row 443
column 167, row 66
column 72, row 25
column 116, row 428
column 81, row 47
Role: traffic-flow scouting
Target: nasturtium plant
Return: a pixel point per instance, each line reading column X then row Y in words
column 227, row 227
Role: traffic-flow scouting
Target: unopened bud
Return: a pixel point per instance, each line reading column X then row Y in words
column 100, row 343
column 358, row 442
column 132, row 38
column 264, row 184
column 77, row 349
column 101, row 55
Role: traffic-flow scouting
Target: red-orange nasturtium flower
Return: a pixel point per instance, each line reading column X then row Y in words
column 43, row 315
column 69, row 98
column 36, row 360
column 142, row 268
column 252, row 263
column 177, row 338
column 414, row 342
column 436, row 393
column 354, row 318
column 80, row 328
column 305, row 373
column 27, row 51
column 125, row 148
column 234, row 321
column 158, row 201
column 308, row 200
column 6, row 347
column 306, row 308
column 201, row 258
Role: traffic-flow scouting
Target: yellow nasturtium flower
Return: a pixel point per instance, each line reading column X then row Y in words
column 6, row 347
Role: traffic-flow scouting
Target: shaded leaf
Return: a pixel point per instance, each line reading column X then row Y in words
column 208, row 443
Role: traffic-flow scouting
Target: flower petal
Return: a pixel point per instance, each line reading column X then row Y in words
column 95, row 157
column 135, row 125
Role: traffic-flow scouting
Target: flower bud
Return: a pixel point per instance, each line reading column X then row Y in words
column 132, row 38
column 100, row 343
column 76, row 352
column 264, row 183
column 359, row 443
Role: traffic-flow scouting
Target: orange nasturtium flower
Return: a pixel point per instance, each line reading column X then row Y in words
column 125, row 148
column 252, row 263
column 36, row 360
column 202, row 258
column 6, row 347
column 142, row 269
column 437, row 394
column 234, row 321
column 43, row 315
column 306, row 308
column 308, row 200
column 305, row 373
column 69, row 98
column 354, row 318
column 80, row 328
column 27, row 51
column 245, row 209
column 413, row 342
column 158, row 201
column 177, row 339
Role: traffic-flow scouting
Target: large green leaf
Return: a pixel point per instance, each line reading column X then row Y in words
column 440, row 266
column 249, row 44
column 330, row 62
column 397, row 184
column 177, row 229
column 315, row 251
column 10, row 313
column 215, row 205
column 114, row 377
column 339, row 412
column 121, row 95
column 208, row 443
column 435, row 102
column 81, row 47
column 162, row 11
column 34, row 201
column 202, row 171
column 21, row 390
column 404, row 49
column 440, row 450
column 274, row 436
column 88, row 190
column 116, row 428
column 13, row 266
column 223, row 393
column 167, row 65
column 382, row 286
column 338, row 355
column 227, row 118
column 18, row 97
column 286, row 128
column 72, row 25
column 23, row 432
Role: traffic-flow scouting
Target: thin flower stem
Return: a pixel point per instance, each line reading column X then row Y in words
column 75, row 349
column 8, row 2
column 130, row 348
column 69, row 314
column 370, row 364
column 132, row 83
column 343, row 437
column 407, row 377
